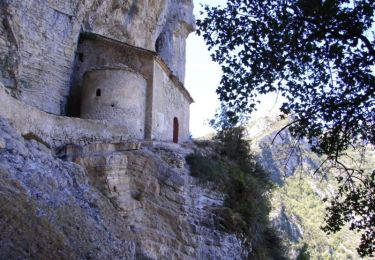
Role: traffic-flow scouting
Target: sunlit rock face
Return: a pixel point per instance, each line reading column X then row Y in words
column 105, row 201
column 50, row 211
column 84, row 187
column 171, row 43
column 38, row 40
column 170, row 215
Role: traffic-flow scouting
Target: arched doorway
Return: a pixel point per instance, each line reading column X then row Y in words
column 175, row 130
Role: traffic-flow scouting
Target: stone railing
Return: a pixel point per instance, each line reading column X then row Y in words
column 55, row 131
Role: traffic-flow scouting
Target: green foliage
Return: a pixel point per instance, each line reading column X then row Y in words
column 302, row 199
column 303, row 253
column 354, row 204
column 205, row 169
column 320, row 56
column 316, row 54
column 246, row 186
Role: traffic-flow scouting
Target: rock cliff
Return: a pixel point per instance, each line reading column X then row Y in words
column 298, row 210
column 38, row 40
column 105, row 201
column 49, row 210
column 83, row 188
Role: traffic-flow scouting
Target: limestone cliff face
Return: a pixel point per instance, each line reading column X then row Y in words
column 72, row 188
column 171, row 43
column 105, row 201
column 86, row 190
column 298, row 211
column 48, row 210
column 38, row 40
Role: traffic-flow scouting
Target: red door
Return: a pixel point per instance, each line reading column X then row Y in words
column 175, row 130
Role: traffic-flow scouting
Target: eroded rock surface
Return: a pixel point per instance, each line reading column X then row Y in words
column 38, row 40
column 170, row 214
column 49, row 210
column 82, row 187
column 112, row 201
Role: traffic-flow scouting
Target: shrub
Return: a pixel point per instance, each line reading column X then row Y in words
column 205, row 169
column 246, row 185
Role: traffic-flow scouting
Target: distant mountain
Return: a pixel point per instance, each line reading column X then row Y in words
column 298, row 209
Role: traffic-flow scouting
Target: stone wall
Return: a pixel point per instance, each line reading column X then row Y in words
column 169, row 102
column 95, row 52
column 56, row 131
column 117, row 95
column 38, row 40
column 130, row 79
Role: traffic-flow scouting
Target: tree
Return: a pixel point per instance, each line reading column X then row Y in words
column 319, row 56
column 248, row 188
column 303, row 253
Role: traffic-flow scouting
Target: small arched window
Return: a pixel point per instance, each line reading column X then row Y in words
column 158, row 44
column 80, row 57
column 175, row 130
column 98, row 92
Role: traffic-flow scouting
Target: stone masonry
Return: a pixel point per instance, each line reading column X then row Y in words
column 39, row 38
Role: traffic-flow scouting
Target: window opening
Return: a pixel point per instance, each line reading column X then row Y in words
column 80, row 57
column 175, row 130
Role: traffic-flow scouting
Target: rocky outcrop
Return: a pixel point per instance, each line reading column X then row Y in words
column 171, row 43
column 105, row 201
column 298, row 210
column 38, row 40
column 82, row 187
column 171, row 216
column 49, row 210
column 288, row 225
column 280, row 153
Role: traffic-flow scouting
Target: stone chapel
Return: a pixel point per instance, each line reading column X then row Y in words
column 120, row 63
column 130, row 86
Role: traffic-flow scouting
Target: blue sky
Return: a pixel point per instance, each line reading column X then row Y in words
column 203, row 77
